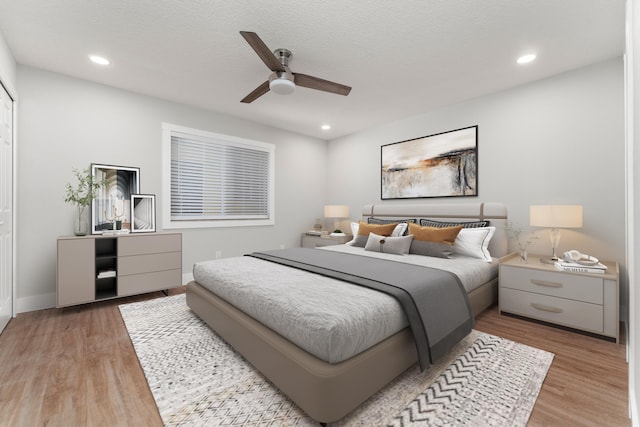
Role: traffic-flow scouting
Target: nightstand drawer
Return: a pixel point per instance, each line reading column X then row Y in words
column 557, row 284
column 574, row 314
column 318, row 241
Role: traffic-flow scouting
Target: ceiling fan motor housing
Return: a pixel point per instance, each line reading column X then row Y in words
column 281, row 82
column 283, row 55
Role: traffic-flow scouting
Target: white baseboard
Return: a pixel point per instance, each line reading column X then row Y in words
column 41, row 302
column 37, row 302
column 633, row 408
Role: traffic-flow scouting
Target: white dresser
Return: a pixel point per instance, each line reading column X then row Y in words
column 587, row 302
column 94, row 268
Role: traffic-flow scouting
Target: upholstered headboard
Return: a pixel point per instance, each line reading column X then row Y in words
column 496, row 213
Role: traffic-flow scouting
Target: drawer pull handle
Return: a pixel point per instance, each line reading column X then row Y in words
column 546, row 308
column 546, row 283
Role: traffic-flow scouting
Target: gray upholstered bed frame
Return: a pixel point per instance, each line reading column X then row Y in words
column 327, row 392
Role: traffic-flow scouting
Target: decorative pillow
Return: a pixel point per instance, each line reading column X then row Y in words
column 389, row 221
column 361, row 231
column 474, row 242
column 389, row 245
column 433, row 241
column 354, row 231
column 400, row 230
column 442, row 224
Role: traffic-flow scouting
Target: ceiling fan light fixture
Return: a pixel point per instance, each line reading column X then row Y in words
column 282, row 86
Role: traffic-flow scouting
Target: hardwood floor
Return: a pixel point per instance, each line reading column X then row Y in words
column 73, row 367
column 77, row 367
column 587, row 382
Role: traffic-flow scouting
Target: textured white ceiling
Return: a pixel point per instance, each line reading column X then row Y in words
column 401, row 57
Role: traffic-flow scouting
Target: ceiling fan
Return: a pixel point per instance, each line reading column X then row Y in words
column 282, row 80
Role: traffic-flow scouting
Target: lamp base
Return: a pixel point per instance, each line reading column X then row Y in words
column 550, row 260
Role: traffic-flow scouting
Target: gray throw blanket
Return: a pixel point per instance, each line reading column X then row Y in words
column 434, row 301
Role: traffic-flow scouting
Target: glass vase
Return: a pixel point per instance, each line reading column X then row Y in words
column 80, row 225
column 523, row 255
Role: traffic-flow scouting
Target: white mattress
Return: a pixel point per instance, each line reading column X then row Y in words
column 330, row 319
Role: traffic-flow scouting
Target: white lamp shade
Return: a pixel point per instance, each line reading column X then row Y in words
column 336, row 211
column 555, row 216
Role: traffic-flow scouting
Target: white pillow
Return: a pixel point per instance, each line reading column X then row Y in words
column 397, row 232
column 474, row 242
column 400, row 229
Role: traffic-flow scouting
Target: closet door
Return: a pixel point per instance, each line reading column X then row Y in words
column 6, row 207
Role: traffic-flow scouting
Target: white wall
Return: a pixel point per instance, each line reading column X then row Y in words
column 7, row 67
column 66, row 123
column 555, row 141
column 559, row 140
column 633, row 203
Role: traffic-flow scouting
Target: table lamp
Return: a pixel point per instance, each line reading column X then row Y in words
column 555, row 217
column 337, row 212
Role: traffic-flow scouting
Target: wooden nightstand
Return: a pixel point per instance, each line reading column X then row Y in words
column 316, row 241
column 584, row 301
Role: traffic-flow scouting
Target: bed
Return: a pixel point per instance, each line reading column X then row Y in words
column 329, row 386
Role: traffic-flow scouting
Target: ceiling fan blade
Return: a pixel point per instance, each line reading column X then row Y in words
column 263, row 51
column 256, row 93
column 320, row 84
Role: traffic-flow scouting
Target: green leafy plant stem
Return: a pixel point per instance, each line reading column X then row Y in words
column 83, row 193
column 85, row 190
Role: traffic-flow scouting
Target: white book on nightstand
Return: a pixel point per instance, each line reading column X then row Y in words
column 580, row 268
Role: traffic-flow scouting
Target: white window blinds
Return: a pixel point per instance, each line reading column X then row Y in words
column 215, row 178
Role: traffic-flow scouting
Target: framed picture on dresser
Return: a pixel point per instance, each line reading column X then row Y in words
column 111, row 207
column 439, row 165
column 143, row 219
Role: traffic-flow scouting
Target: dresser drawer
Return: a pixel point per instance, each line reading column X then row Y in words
column 151, row 244
column 574, row 314
column 149, row 282
column 137, row 264
column 557, row 284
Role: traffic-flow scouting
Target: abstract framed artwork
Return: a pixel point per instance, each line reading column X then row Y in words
column 440, row 165
column 144, row 213
column 111, row 207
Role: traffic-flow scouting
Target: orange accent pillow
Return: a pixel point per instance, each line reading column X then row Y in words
column 380, row 229
column 435, row 234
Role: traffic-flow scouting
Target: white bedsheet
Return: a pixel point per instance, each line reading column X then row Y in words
column 330, row 319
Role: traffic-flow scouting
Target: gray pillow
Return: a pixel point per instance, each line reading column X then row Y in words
column 443, row 224
column 435, row 249
column 388, row 245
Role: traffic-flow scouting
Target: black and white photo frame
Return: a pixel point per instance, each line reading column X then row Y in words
column 111, row 207
column 143, row 218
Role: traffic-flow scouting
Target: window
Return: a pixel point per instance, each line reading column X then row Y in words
column 213, row 180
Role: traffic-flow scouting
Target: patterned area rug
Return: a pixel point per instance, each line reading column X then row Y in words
column 198, row 380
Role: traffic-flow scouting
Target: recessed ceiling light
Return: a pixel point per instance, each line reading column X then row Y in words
column 99, row 60
column 525, row 59
column 325, row 127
